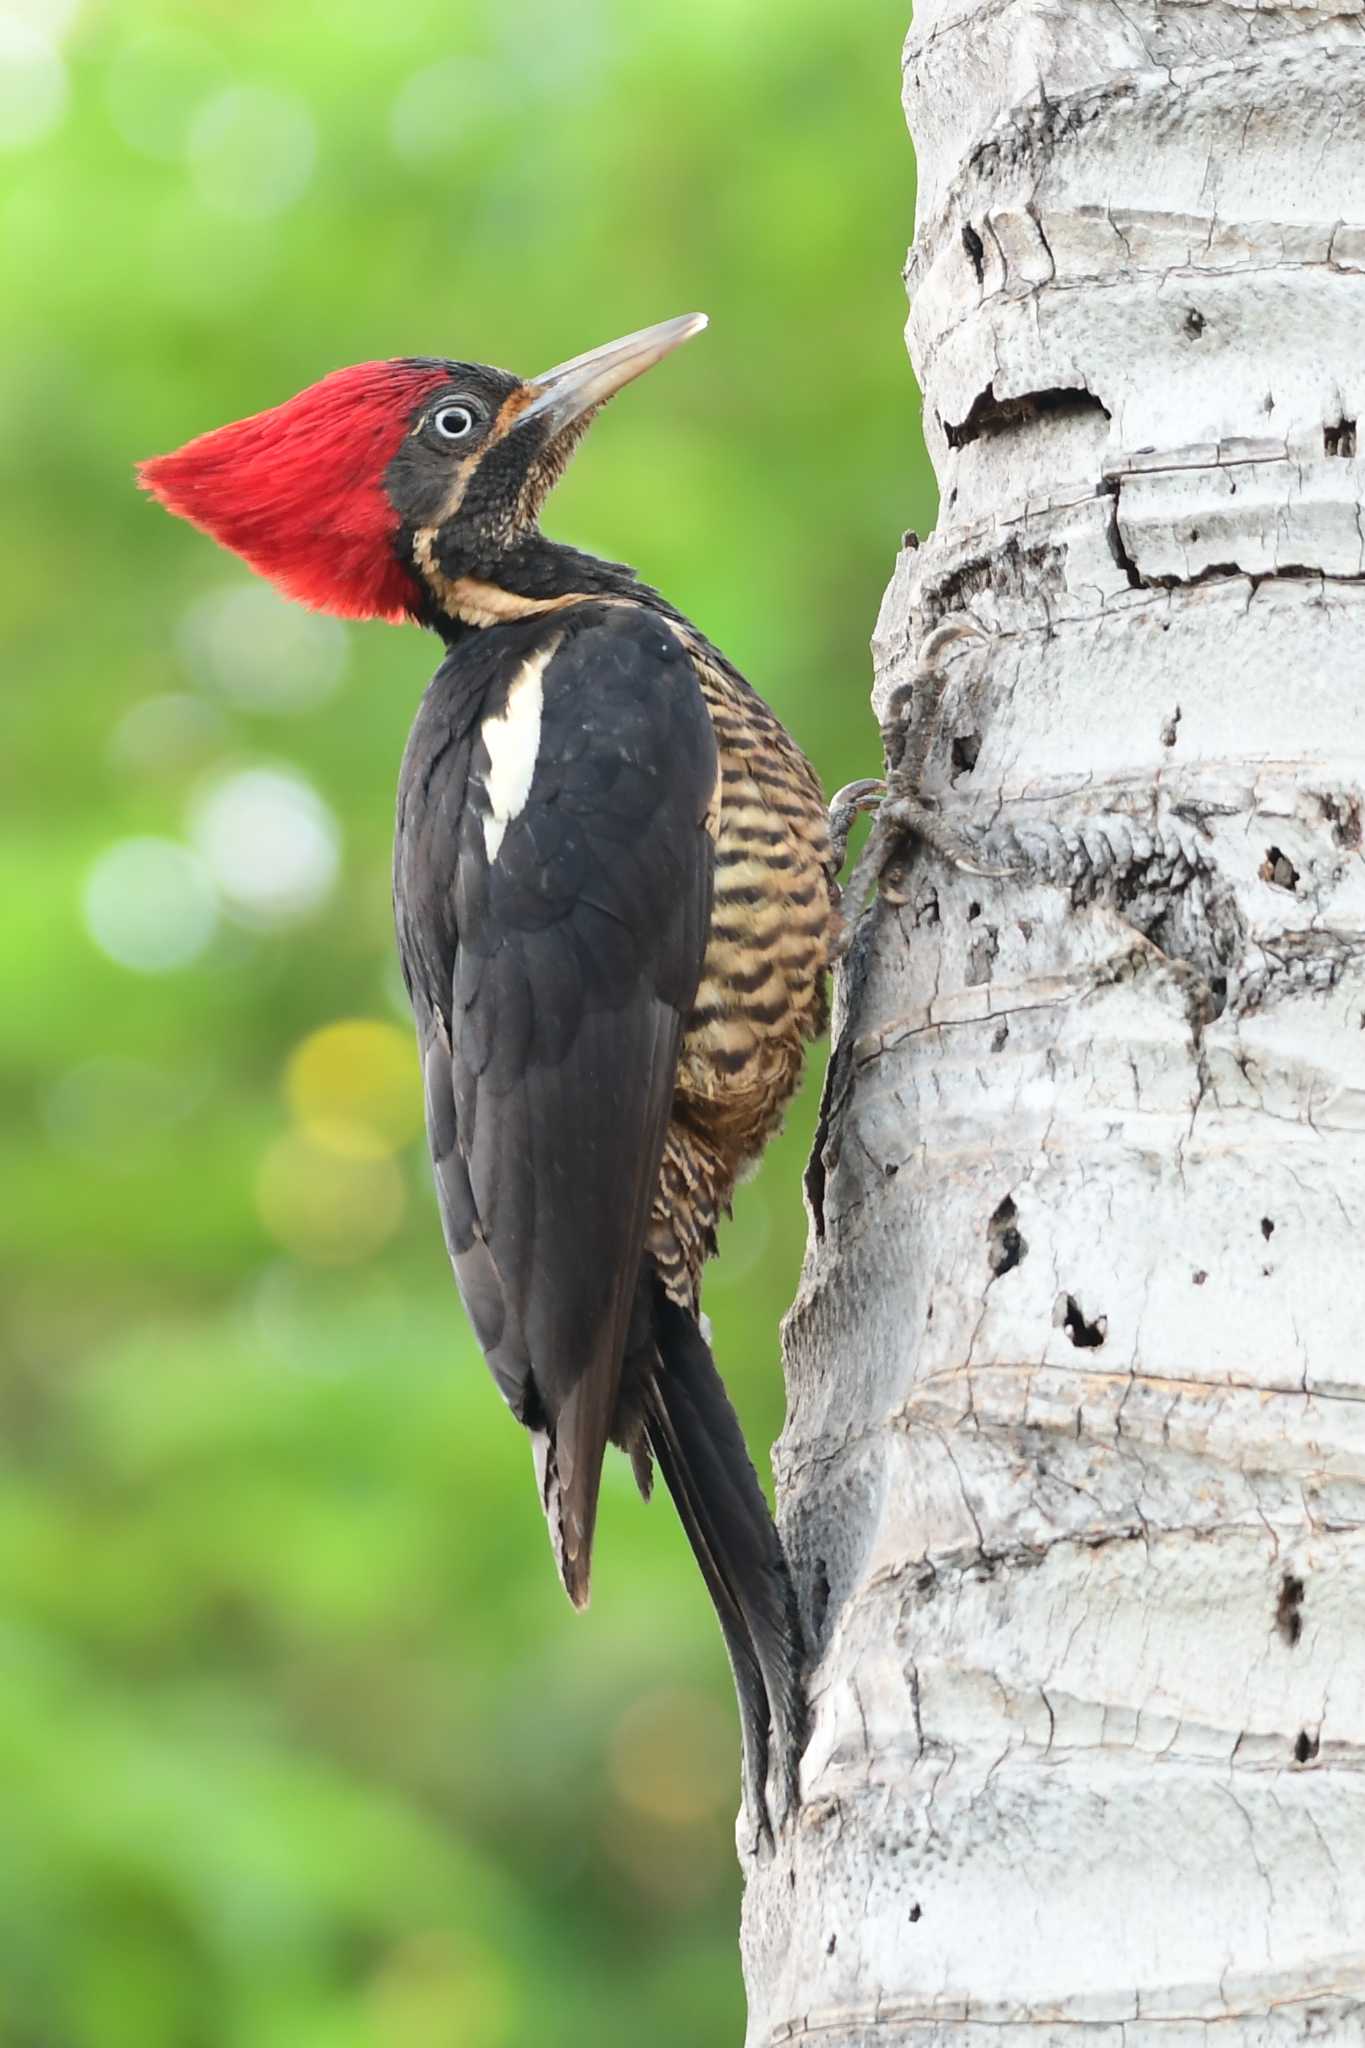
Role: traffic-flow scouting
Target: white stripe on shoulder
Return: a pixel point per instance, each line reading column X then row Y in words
column 512, row 738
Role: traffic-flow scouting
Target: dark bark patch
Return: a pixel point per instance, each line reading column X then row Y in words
column 1289, row 1609
column 1279, row 870
column 1340, row 439
column 1085, row 1334
column 1005, row 1247
column 1010, row 572
column 966, row 751
column 1342, row 813
column 981, row 955
column 988, row 415
column 1306, row 1747
column 819, row 1595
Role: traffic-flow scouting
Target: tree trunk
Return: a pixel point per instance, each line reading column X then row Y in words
column 1074, row 1475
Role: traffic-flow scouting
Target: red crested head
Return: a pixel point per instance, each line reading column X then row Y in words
column 299, row 491
column 381, row 491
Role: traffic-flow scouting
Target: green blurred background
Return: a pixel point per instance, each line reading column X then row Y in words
column 300, row 1744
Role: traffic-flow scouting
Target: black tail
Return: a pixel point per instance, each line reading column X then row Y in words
column 696, row 1438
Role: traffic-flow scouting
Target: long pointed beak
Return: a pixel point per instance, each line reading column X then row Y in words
column 565, row 393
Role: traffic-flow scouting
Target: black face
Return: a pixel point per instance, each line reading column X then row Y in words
column 450, row 433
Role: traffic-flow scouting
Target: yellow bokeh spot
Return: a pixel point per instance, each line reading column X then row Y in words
column 324, row 1207
column 438, row 1990
column 673, row 1757
column 354, row 1088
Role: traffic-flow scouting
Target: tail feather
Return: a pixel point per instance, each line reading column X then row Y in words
column 573, row 1557
column 696, row 1438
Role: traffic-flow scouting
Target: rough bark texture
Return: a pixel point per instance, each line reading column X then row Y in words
column 1075, row 1467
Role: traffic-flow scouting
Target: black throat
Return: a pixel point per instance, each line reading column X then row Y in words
column 471, row 584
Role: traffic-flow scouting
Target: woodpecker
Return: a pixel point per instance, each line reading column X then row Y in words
column 615, row 906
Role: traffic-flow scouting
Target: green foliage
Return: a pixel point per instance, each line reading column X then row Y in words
column 300, row 1744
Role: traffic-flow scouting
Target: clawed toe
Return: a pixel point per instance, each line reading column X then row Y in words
column 853, row 801
column 902, row 816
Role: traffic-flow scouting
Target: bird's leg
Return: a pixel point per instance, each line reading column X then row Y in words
column 902, row 812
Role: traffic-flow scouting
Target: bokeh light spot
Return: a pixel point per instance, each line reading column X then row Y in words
column 270, row 843
column 435, row 1989
column 150, row 904
column 155, row 85
column 265, row 654
column 672, row 1757
column 32, row 84
column 252, row 151
column 325, row 1209
column 436, row 107
column 353, row 1088
column 166, row 733
column 56, row 18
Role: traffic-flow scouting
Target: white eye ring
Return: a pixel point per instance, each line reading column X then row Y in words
column 453, row 422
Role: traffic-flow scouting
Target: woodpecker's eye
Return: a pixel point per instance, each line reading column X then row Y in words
column 453, row 422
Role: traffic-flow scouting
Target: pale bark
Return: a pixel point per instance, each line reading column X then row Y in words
column 1074, row 1474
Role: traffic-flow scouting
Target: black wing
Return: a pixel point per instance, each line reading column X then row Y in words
column 552, row 941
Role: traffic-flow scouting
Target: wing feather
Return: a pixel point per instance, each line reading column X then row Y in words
column 550, row 982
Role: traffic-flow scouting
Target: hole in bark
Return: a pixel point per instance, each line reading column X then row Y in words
column 917, row 1912
column 1267, row 1228
column 819, row 1596
column 1340, row 439
column 1306, row 1747
column 1289, row 1608
column 1170, row 728
column 988, row 414
column 1200, row 1277
column 891, row 1169
column 1085, row 1335
column 1218, row 996
column 1279, row 870
column 976, row 250
column 1195, row 323
column 1005, row 1248
column 973, row 912
column 966, row 750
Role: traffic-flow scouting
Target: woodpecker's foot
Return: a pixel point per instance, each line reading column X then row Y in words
column 903, row 816
column 854, row 800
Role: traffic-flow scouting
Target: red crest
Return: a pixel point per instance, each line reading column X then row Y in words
column 298, row 491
